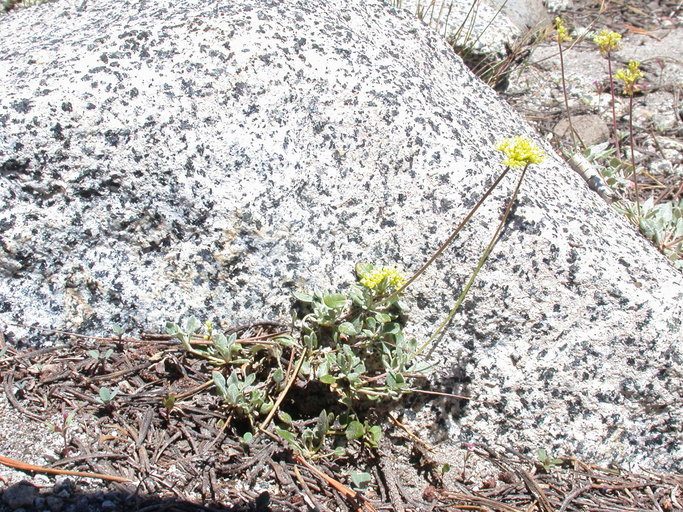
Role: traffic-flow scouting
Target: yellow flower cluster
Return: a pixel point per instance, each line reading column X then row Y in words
column 607, row 40
column 373, row 279
column 630, row 76
column 562, row 31
column 520, row 152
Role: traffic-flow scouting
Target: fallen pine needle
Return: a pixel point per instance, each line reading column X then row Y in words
column 349, row 493
column 22, row 466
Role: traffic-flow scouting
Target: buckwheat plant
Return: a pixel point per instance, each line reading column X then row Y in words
column 562, row 36
column 609, row 42
column 630, row 77
column 346, row 351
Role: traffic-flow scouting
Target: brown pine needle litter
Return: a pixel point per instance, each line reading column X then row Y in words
column 186, row 450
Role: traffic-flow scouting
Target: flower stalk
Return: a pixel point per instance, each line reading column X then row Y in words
column 561, row 36
column 608, row 42
column 480, row 264
column 630, row 77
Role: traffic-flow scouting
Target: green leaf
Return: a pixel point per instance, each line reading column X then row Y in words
column 172, row 329
column 347, row 328
column 357, row 296
column 108, row 353
column 648, row 227
column 383, row 318
column 118, row 330
column 285, row 341
column 303, row 297
column 219, row 382
column 335, row 300
column 328, row 379
column 94, row 354
column 232, row 394
column 168, row 401
column 284, row 417
column 191, row 326
column 288, row 437
column 360, row 479
column 374, row 436
column 322, row 425
column 265, row 407
column 106, row 395
column 278, row 375
column 311, row 340
column 355, row 430
column 362, row 269
column 247, row 437
column 353, row 377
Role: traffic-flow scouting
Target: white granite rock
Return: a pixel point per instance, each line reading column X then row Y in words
column 160, row 159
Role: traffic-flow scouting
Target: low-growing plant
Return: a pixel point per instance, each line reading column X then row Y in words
column 105, row 396
column 360, row 480
column 350, row 349
column 168, row 402
column 662, row 223
column 604, row 171
column 101, row 357
column 118, row 331
column 605, row 160
column 63, row 429
column 546, row 461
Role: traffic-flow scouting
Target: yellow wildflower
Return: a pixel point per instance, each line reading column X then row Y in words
column 562, row 31
column 374, row 279
column 608, row 41
column 520, row 152
column 630, row 76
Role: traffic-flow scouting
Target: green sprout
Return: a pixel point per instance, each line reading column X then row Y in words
column 118, row 331
column 547, row 462
column 100, row 357
column 105, row 396
column 63, row 428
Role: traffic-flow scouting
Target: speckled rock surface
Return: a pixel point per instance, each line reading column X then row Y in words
column 168, row 158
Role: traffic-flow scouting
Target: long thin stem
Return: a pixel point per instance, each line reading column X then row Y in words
column 614, row 112
column 633, row 159
column 480, row 264
column 566, row 101
column 449, row 239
